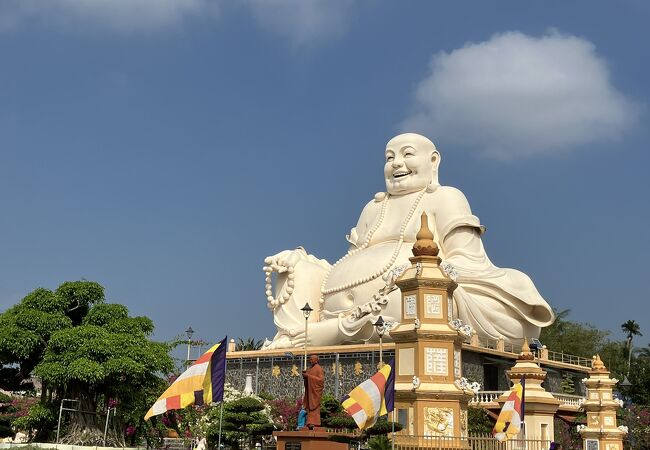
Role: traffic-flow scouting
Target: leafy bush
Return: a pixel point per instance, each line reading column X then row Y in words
column 383, row 427
column 340, row 438
column 41, row 416
column 379, row 442
column 11, row 409
column 243, row 419
column 478, row 421
column 332, row 414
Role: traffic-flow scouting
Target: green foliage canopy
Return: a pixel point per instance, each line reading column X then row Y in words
column 26, row 328
column 85, row 349
column 243, row 418
column 573, row 338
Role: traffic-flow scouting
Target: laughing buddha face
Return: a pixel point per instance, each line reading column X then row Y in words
column 411, row 164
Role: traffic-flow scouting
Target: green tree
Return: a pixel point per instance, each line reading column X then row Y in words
column 243, row 419
column 6, row 408
column 86, row 350
column 248, row 344
column 332, row 414
column 567, row 384
column 479, row 421
column 26, row 328
column 382, row 427
column 639, row 392
column 566, row 336
column 643, row 352
column 612, row 354
column 631, row 328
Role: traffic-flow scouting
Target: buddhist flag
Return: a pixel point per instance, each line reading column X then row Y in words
column 202, row 383
column 511, row 417
column 373, row 398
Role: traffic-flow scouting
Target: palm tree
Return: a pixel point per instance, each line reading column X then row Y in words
column 248, row 344
column 642, row 352
column 631, row 328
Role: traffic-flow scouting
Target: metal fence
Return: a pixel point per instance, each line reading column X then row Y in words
column 569, row 359
column 473, row 442
column 402, row 442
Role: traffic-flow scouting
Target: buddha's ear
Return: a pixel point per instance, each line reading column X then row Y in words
column 435, row 163
column 435, row 160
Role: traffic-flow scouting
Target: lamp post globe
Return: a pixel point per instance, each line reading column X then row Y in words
column 189, row 332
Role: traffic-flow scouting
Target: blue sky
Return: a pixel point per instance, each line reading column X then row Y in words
column 165, row 147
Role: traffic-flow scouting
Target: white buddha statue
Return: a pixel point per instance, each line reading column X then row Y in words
column 348, row 296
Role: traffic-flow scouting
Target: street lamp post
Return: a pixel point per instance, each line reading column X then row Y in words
column 189, row 332
column 625, row 386
column 380, row 327
column 306, row 311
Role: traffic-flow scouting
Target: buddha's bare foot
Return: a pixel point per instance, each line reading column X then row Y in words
column 325, row 332
column 279, row 341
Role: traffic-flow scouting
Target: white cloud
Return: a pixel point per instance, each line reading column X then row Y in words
column 304, row 22
column 124, row 16
column 516, row 95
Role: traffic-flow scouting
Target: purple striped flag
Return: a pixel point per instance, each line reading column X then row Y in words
column 511, row 418
column 373, row 398
column 202, row 383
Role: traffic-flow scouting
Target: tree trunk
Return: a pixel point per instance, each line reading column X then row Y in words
column 629, row 354
column 87, row 424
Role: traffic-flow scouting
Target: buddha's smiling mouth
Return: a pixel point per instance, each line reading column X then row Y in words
column 398, row 175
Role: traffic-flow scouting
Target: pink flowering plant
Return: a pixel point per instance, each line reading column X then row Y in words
column 284, row 413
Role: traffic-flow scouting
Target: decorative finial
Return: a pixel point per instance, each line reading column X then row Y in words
column 525, row 352
column 425, row 245
column 597, row 364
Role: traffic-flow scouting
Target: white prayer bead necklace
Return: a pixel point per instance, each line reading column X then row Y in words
column 365, row 244
column 272, row 301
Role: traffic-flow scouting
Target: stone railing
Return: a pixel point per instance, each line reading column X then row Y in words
column 484, row 397
column 569, row 400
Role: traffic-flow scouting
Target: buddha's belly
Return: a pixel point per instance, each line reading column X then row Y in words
column 359, row 266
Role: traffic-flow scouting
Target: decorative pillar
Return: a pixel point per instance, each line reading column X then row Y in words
column 601, row 432
column 430, row 395
column 539, row 405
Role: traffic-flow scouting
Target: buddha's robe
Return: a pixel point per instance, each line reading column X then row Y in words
column 314, row 378
column 496, row 302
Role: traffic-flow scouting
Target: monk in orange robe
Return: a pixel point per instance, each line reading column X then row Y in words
column 314, row 378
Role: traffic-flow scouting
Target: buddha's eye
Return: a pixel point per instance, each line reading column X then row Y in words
column 408, row 154
column 389, row 158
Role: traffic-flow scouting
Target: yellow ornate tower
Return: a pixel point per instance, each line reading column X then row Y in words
column 601, row 432
column 539, row 405
column 430, row 397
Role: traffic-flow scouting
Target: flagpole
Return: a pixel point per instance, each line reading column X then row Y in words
column 523, row 404
column 225, row 368
column 392, row 437
column 220, row 421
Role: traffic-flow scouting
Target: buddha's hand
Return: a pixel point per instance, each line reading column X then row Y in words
column 298, row 278
column 285, row 260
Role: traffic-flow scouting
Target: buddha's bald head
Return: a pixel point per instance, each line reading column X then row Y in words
column 411, row 164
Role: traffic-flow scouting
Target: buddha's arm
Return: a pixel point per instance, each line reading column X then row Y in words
column 368, row 215
column 459, row 231
column 464, row 241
